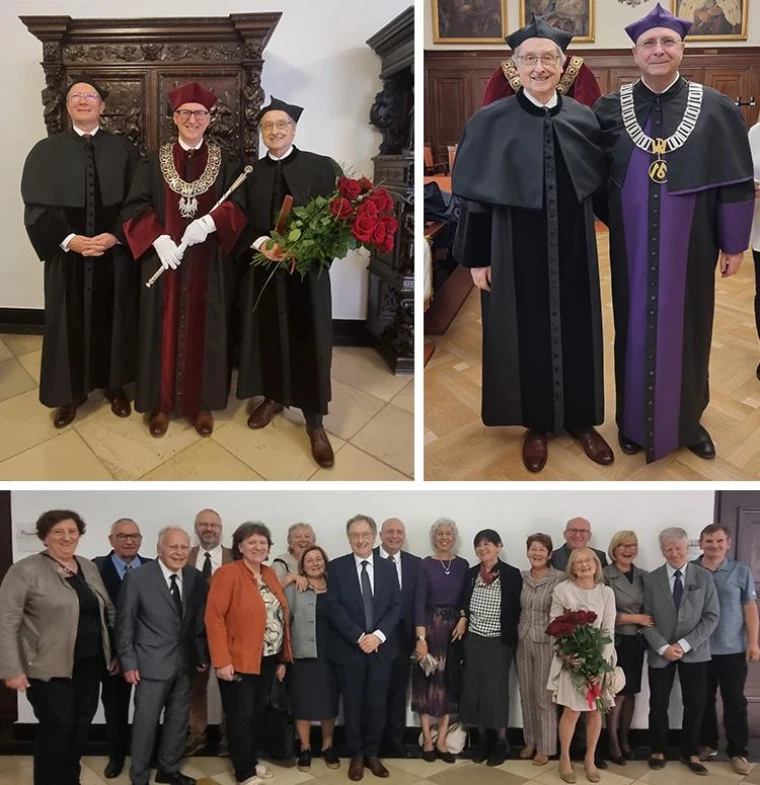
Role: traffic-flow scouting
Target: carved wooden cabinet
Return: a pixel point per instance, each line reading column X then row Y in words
column 390, row 313
column 139, row 61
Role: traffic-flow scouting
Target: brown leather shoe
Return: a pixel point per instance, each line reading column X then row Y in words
column 65, row 415
column 120, row 405
column 594, row 444
column 204, row 423
column 159, row 422
column 356, row 769
column 264, row 413
column 535, row 450
column 321, row 449
column 377, row 768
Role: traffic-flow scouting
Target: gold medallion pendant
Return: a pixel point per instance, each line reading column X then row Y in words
column 658, row 170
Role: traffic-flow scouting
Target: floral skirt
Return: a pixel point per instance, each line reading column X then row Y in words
column 430, row 694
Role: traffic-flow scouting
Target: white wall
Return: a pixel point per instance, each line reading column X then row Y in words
column 611, row 19
column 317, row 58
column 514, row 514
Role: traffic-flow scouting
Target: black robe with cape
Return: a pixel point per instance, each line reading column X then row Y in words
column 75, row 186
column 664, row 245
column 525, row 176
column 286, row 343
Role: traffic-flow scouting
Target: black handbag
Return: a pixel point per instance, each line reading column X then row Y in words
column 277, row 734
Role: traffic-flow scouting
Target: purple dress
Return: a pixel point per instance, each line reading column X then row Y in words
column 438, row 602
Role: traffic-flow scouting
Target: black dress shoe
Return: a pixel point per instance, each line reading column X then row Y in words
column 628, row 755
column 618, row 760
column 757, row 371
column 331, row 759
column 600, row 762
column 704, row 448
column 176, row 778
column 113, row 768
column 304, row 760
column 446, row 757
column 428, row 756
column 480, row 750
column 628, row 446
column 695, row 766
column 657, row 763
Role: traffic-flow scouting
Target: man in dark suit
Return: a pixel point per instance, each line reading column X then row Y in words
column 125, row 539
column 364, row 601
column 682, row 598
column 207, row 557
column 392, row 538
column 160, row 641
column 577, row 535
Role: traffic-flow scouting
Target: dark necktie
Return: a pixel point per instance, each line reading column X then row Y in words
column 677, row 589
column 175, row 595
column 127, row 568
column 207, row 566
column 367, row 598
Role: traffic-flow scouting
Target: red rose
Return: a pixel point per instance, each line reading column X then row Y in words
column 382, row 199
column 349, row 188
column 378, row 235
column 387, row 246
column 363, row 227
column 368, row 208
column 391, row 224
column 341, row 208
column 366, row 184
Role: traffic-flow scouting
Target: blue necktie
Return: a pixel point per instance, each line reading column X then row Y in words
column 367, row 598
column 677, row 589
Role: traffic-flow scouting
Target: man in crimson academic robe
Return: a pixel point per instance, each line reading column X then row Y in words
column 183, row 365
column 681, row 199
column 286, row 345
column 73, row 187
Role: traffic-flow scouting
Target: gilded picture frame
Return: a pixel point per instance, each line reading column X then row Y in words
column 714, row 20
column 574, row 16
column 474, row 22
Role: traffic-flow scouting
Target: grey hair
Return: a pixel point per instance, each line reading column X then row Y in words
column 301, row 525
column 168, row 529
column 370, row 521
column 672, row 533
column 562, row 56
column 446, row 522
column 122, row 520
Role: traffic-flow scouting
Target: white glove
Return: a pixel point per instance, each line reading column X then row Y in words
column 198, row 230
column 167, row 252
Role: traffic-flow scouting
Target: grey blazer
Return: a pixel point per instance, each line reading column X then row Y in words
column 303, row 622
column 629, row 597
column 150, row 634
column 695, row 619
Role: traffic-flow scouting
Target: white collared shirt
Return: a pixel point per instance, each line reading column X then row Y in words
column 396, row 562
column 660, row 92
column 281, row 157
column 216, row 558
column 550, row 104
column 371, row 573
column 683, row 643
column 167, row 573
column 187, row 147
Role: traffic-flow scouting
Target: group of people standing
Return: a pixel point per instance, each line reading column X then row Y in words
column 354, row 627
column 105, row 223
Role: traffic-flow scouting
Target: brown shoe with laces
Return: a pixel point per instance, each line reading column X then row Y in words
column 321, row 449
column 264, row 413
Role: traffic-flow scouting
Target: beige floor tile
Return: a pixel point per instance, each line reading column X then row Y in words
column 96, row 763
column 475, row 774
column 15, row 763
column 350, row 410
column 282, row 776
column 405, row 399
column 31, row 363
column 397, row 776
column 212, row 765
column 422, row 769
column 126, row 447
column 552, row 777
column 21, row 344
column 24, row 423
column 676, row 773
column 365, row 369
column 66, row 457
column 526, row 769
column 5, row 352
column 353, row 464
column 14, row 380
column 204, row 460
column 389, row 436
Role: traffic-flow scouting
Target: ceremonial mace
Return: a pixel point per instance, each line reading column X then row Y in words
column 182, row 246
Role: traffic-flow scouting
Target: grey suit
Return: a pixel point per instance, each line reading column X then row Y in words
column 693, row 622
column 629, row 596
column 165, row 648
column 561, row 556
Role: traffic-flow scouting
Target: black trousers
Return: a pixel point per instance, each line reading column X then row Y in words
column 693, row 676
column 729, row 672
column 756, row 258
column 398, row 687
column 364, row 686
column 243, row 702
column 116, row 695
column 64, row 709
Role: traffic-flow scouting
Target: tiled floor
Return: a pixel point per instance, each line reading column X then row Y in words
column 371, row 427
column 17, row 770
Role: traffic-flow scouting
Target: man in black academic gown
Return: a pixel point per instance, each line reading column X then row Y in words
column 286, row 345
column 681, row 195
column 529, row 241
column 73, row 186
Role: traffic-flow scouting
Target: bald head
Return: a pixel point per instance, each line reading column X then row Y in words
column 392, row 535
column 577, row 533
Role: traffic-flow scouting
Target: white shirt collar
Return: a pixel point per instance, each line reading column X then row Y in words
column 660, row 92
column 368, row 559
column 80, row 132
column 187, row 146
column 275, row 158
column 167, row 573
column 216, row 553
column 672, row 570
column 550, row 104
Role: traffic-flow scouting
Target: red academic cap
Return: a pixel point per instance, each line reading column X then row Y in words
column 191, row 93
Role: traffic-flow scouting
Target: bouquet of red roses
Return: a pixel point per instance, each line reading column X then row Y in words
column 357, row 214
column 577, row 639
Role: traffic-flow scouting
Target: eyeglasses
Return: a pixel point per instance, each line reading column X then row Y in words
column 531, row 60
column 666, row 43
column 125, row 537
column 198, row 114
column 359, row 536
column 577, row 531
column 89, row 97
column 280, row 125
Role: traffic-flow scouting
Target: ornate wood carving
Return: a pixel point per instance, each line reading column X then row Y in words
column 390, row 317
column 139, row 61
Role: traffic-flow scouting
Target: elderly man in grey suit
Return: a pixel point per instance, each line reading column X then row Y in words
column 161, row 641
column 681, row 597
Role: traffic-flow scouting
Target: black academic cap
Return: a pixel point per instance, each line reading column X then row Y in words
column 87, row 79
column 537, row 28
column 274, row 103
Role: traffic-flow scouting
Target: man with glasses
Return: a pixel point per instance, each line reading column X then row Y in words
column 183, row 364
column 530, row 244
column 286, row 342
column 125, row 540
column 73, row 186
column 364, row 600
column 577, row 535
column 680, row 200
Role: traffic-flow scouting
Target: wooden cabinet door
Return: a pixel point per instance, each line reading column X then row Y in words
column 449, row 107
column 736, row 83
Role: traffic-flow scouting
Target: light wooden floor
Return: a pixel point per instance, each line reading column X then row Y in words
column 459, row 447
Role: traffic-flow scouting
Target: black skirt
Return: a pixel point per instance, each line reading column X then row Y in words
column 630, row 657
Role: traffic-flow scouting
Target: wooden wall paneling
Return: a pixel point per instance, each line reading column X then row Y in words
column 451, row 99
column 733, row 82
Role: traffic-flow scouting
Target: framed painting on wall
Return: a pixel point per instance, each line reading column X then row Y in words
column 469, row 21
column 714, row 20
column 573, row 16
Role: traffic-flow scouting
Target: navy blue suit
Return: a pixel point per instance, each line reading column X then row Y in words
column 364, row 678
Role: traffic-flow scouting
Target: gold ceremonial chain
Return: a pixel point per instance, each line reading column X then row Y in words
column 572, row 69
column 188, row 204
column 658, row 169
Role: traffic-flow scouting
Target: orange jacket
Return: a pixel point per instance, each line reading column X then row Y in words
column 236, row 617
